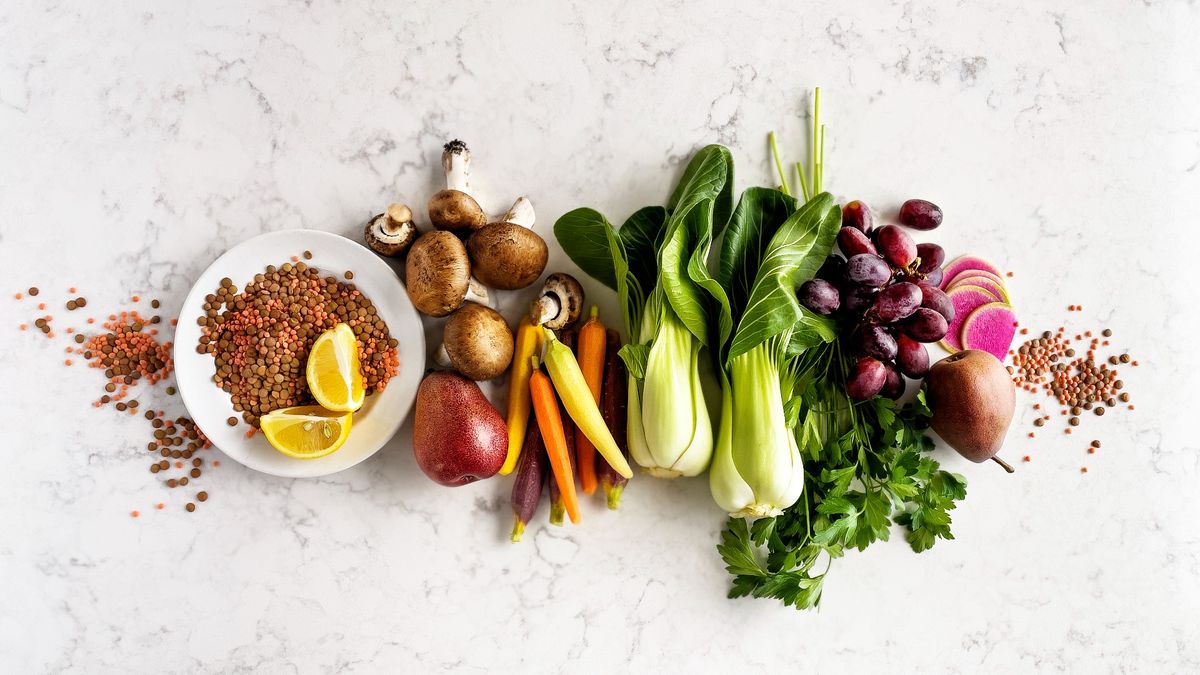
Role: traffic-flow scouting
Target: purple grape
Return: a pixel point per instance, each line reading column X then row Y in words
column 926, row 325
column 893, row 385
column 856, row 214
column 875, row 341
column 932, row 256
column 934, row 276
column 853, row 242
column 820, row 296
column 896, row 246
column 897, row 301
column 920, row 214
column 867, row 377
column 857, row 298
column 868, row 270
column 936, row 299
column 912, row 357
column 833, row 270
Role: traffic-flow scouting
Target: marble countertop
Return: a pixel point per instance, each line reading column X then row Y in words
column 139, row 142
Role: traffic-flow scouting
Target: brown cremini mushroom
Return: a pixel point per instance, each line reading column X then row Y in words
column 453, row 208
column 507, row 254
column 476, row 342
column 391, row 232
column 438, row 274
column 559, row 304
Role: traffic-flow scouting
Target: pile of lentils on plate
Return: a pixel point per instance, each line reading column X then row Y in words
column 260, row 338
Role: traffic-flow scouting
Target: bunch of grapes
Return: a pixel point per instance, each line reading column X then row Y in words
column 884, row 291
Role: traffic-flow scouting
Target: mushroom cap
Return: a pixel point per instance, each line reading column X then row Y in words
column 507, row 256
column 437, row 273
column 455, row 210
column 391, row 233
column 478, row 342
column 563, row 291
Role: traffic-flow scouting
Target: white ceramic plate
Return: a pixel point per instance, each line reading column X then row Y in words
column 382, row 414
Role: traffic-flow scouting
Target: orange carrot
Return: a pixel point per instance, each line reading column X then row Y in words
column 590, row 354
column 545, row 409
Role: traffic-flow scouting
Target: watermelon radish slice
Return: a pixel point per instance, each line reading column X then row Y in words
column 967, row 274
column 990, row 328
column 987, row 282
column 966, row 262
column 966, row 299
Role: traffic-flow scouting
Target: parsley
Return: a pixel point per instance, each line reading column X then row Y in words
column 866, row 467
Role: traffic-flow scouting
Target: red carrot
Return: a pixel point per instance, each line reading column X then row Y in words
column 614, row 401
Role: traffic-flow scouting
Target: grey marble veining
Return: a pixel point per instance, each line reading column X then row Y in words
column 138, row 142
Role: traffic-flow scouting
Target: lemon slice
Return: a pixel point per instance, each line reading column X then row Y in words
column 334, row 376
column 307, row 431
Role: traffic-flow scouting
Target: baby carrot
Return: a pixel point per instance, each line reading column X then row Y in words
column 590, row 354
column 545, row 408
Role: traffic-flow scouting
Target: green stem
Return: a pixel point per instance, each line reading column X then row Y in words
column 803, row 180
column 783, row 182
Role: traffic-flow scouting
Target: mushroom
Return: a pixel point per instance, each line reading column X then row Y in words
column 438, row 274
column 507, row 254
column 559, row 304
column 453, row 209
column 391, row 232
column 476, row 342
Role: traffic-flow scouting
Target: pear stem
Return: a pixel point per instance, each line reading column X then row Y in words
column 1006, row 465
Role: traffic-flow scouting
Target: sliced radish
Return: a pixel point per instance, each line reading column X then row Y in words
column 990, row 328
column 967, row 262
column 981, row 281
column 966, row 299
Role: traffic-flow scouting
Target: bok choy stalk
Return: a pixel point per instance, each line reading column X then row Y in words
column 657, row 264
column 757, row 469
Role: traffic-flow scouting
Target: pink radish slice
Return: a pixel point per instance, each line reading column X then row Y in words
column 969, row 273
column 988, row 283
column 966, row 299
column 966, row 262
column 990, row 328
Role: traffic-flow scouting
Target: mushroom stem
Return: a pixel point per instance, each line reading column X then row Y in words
column 442, row 357
column 520, row 213
column 456, row 161
column 476, row 292
column 544, row 309
column 396, row 219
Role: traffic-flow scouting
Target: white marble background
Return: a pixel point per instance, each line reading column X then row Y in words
column 139, row 140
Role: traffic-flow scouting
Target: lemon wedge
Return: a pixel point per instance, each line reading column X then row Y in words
column 307, row 431
column 333, row 372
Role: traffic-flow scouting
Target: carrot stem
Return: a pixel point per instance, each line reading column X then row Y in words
column 545, row 408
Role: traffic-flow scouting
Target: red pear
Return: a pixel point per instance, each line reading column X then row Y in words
column 972, row 400
column 458, row 436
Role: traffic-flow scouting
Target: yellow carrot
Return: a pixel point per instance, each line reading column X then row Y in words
column 577, row 398
column 528, row 343
column 549, row 422
column 590, row 355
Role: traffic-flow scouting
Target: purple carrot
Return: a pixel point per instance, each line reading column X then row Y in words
column 531, row 474
column 614, row 404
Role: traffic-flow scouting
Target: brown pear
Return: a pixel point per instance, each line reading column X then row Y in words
column 972, row 399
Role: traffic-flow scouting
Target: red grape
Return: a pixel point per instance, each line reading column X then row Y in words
column 875, row 341
column 896, row 246
column 867, row 377
column 857, row 298
column 934, row 276
column 833, row 270
column 912, row 357
column 820, row 296
column 920, row 214
column 932, row 256
column 897, row 301
column 937, row 300
column 893, row 384
column 853, row 242
column 857, row 215
column 868, row 270
column 926, row 325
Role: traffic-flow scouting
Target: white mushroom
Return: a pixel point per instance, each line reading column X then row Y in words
column 454, row 208
column 559, row 304
column 391, row 232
